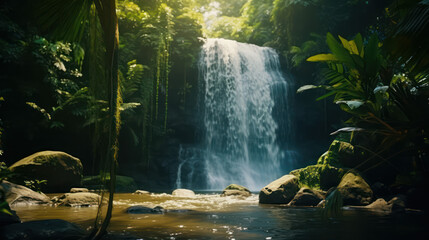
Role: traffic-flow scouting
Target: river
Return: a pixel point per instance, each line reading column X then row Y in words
column 210, row 216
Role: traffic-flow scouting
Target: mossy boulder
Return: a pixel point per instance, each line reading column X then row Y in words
column 124, row 184
column 340, row 154
column 319, row 176
column 61, row 170
column 236, row 190
column 279, row 191
column 355, row 190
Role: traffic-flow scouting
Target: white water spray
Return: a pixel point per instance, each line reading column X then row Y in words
column 239, row 85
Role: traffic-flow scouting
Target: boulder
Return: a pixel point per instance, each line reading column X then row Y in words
column 145, row 210
column 307, row 197
column 340, row 154
column 379, row 205
column 78, row 199
column 183, row 193
column 124, row 184
column 54, row 229
column 398, row 203
column 279, row 191
column 321, row 176
column 355, row 190
column 236, row 190
column 141, row 192
column 75, row 190
column 61, row 170
column 17, row 194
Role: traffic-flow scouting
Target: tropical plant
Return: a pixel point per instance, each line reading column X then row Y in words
column 385, row 101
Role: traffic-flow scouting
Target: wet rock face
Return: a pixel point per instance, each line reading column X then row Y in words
column 61, row 170
column 54, row 229
column 279, row 191
column 236, row 190
column 17, row 194
column 355, row 190
column 183, row 193
column 307, row 197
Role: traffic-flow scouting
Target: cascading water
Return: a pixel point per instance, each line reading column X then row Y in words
column 240, row 86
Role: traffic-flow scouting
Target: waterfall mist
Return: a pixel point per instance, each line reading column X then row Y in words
column 244, row 119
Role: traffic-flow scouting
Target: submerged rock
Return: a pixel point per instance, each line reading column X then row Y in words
column 380, row 205
column 54, row 229
column 236, row 190
column 355, row 190
column 183, row 193
column 78, row 199
column 279, row 191
column 17, row 194
column 61, row 170
column 145, row 210
column 141, row 192
column 307, row 197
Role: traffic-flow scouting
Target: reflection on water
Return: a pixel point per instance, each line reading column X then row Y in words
column 215, row 217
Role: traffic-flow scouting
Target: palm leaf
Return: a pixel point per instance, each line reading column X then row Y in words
column 63, row 19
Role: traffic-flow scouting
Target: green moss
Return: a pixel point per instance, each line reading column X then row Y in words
column 339, row 152
column 320, row 176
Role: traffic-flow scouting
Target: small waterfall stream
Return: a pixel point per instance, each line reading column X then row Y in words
column 240, row 86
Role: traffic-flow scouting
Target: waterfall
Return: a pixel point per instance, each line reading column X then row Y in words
column 240, row 85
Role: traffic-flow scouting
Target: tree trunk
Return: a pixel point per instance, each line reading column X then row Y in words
column 109, row 22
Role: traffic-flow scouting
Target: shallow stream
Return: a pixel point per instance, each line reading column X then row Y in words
column 211, row 216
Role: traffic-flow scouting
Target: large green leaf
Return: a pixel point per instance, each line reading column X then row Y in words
column 359, row 44
column 63, row 19
column 372, row 56
column 341, row 53
column 322, row 58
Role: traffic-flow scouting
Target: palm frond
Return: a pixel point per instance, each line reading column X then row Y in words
column 63, row 19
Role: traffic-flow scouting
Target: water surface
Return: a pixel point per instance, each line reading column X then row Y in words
column 211, row 216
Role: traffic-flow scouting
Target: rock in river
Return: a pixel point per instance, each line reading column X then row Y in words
column 280, row 191
column 183, row 193
column 355, row 190
column 17, row 194
column 141, row 192
column 61, row 170
column 78, row 199
column 145, row 210
column 236, row 190
column 307, row 197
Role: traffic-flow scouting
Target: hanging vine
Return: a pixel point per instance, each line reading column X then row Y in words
column 163, row 59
